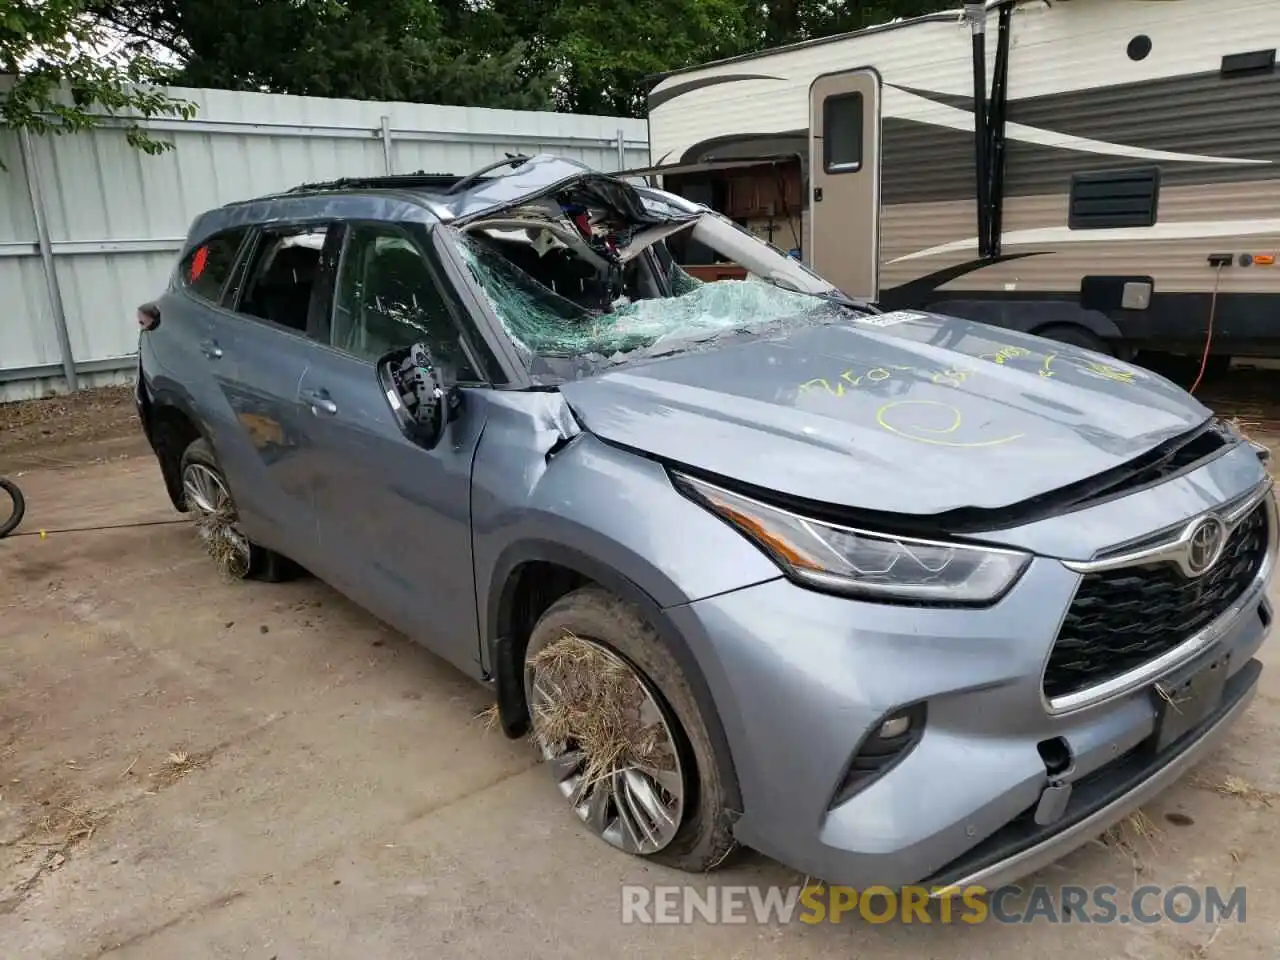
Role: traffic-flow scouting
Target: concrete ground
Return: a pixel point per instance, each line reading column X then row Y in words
column 196, row 768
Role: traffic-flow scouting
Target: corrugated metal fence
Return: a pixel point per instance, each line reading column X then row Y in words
column 89, row 227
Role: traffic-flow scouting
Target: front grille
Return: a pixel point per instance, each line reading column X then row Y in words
column 1120, row 619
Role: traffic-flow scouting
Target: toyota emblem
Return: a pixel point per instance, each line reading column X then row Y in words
column 1204, row 545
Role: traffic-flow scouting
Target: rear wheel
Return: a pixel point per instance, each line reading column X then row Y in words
column 1076, row 336
column 617, row 725
column 206, row 494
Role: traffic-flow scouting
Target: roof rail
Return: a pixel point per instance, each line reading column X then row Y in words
column 444, row 182
column 513, row 161
column 437, row 181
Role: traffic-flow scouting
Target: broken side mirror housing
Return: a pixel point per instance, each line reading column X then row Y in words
column 421, row 399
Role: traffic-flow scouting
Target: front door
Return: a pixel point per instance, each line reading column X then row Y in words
column 394, row 517
column 844, row 180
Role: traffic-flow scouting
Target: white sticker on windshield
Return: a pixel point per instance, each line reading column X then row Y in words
column 889, row 319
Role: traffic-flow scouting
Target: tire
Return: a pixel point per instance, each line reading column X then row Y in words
column 1076, row 336
column 259, row 563
column 18, row 509
column 703, row 839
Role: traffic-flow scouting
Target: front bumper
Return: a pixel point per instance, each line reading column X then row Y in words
column 1097, row 802
column 955, row 809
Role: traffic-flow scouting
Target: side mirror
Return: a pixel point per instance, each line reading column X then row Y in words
column 418, row 396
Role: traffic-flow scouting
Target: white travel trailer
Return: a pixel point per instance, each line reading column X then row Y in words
column 1119, row 187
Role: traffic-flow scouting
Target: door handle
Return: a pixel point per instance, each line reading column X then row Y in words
column 210, row 349
column 319, row 402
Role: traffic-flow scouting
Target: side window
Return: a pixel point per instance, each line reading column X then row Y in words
column 842, row 133
column 282, row 275
column 204, row 270
column 387, row 298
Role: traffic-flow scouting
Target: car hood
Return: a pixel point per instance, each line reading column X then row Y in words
column 905, row 412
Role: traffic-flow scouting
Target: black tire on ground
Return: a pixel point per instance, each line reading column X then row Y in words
column 264, row 564
column 1076, row 336
column 17, row 510
column 705, row 838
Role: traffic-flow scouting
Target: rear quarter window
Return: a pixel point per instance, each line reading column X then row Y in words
column 204, row 271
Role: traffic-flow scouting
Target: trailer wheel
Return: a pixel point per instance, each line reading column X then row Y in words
column 1076, row 336
column 16, row 511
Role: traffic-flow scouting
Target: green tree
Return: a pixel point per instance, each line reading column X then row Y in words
column 604, row 54
column 794, row 20
column 361, row 49
column 62, row 70
column 611, row 48
column 595, row 56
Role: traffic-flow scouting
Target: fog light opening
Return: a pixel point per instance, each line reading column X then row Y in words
column 888, row 743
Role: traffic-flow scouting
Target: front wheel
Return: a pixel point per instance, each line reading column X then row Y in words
column 207, row 495
column 618, row 726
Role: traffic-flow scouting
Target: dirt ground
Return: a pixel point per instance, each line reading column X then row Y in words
column 194, row 768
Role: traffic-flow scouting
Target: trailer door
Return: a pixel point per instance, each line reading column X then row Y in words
column 844, row 176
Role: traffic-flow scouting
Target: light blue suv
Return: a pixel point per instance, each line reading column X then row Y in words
column 892, row 597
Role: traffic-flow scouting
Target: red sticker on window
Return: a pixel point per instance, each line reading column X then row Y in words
column 198, row 262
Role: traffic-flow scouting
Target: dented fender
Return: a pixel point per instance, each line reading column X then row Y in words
column 546, row 489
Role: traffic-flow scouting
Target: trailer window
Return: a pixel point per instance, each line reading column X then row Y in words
column 842, row 133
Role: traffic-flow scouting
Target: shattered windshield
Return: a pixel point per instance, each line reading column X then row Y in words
column 574, row 283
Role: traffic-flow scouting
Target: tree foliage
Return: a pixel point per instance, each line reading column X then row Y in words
column 61, row 72
column 594, row 56
column 361, row 49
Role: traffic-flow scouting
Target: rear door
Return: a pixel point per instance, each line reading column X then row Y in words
column 259, row 349
column 844, row 177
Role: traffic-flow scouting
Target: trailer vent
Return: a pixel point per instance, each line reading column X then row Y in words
column 1114, row 198
column 1249, row 64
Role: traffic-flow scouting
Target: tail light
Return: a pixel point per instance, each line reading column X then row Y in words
column 148, row 316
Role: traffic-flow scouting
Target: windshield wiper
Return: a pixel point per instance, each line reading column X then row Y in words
column 830, row 296
column 835, row 296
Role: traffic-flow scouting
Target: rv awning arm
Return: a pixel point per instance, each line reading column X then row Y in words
column 976, row 15
column 710, row 166
column 997, row 111
column 989, row 120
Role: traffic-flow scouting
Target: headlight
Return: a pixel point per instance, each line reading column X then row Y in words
column 873, row 565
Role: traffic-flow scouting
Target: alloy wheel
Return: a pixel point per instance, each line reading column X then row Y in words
column 219, row 527
column 633, row 802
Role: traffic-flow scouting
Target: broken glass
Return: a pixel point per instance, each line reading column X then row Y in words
column 543, row 323
column 681, row 282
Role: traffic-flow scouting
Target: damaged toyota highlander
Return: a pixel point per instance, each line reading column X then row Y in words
column 894, row 598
